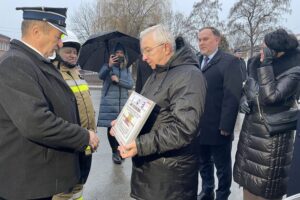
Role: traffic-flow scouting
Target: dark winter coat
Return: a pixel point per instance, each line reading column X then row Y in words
column 166, row 165
column 294, row 175
column 262, row 161
column 142, row 74
column 243, row 69
column 38, row 134
column 224, row 87
column 113, row 95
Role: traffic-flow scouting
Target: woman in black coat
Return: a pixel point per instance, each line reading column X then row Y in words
column 263, row 161
column 294, row 174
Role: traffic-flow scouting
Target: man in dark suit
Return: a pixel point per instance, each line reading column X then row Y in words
column 243, row 67
column 224, row 85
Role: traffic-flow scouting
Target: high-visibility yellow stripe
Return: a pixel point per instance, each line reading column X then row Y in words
column 80, row 198
column 76, row 82
column 79, row 88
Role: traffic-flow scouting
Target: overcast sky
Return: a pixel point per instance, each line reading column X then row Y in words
column 10, row 19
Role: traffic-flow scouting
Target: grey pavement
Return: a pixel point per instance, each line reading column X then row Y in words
column 108, row 181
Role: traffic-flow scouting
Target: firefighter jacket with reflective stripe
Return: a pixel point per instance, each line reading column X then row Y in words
column 86, row 110
column 83, row 97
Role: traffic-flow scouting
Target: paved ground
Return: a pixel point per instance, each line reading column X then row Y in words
column 108, row 181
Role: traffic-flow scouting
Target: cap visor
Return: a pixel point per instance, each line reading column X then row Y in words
column 60, row 28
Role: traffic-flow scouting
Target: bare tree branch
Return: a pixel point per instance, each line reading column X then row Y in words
column 252, row 19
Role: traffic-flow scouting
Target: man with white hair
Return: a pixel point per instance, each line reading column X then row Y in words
column 164, row 157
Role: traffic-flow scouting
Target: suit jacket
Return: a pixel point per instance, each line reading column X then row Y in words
column 243, row 68
column 224, row 86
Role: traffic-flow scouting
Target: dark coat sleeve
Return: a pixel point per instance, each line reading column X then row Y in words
column 273, row 90
column 138, row 83
column 187, row 98
column 142, row 75
column 243, row 69
column 232, row 87
column 104, row 72
column 28, row 109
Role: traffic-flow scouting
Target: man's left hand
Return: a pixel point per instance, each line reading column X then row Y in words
column 224, row 133
column 128, row 151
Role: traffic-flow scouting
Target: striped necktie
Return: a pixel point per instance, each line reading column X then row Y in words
column 206, row 59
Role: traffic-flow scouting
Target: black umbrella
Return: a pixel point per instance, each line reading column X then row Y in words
column 96, row 50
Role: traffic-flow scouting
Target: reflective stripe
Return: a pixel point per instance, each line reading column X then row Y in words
column 79, row 88
column 78, row 195
column 80, row 198
column 76, row 82
column 65, row 196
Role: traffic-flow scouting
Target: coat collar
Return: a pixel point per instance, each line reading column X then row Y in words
column 213, row 61
column 48, row 67
column 29, row 51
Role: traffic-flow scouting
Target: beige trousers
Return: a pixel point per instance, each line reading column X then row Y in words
column 75, row 194
column 249, row 196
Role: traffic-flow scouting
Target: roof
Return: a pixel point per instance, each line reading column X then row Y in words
column 4, row 37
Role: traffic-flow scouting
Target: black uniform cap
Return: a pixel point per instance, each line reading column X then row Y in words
column 54, row 16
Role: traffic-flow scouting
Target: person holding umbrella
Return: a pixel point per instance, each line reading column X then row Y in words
column 117, row 80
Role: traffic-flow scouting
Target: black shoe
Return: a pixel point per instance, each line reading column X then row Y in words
column 204, row 196
column 116, row 157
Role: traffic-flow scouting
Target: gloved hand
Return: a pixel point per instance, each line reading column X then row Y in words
column 268, row 57
column 244, row 105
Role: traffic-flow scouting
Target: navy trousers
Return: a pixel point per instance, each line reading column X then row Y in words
column 112, row 141
column 220, row 157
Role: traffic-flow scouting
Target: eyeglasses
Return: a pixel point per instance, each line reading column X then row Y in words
column 148, row 51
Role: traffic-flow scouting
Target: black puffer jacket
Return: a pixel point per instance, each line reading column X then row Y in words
column 166, row 166
column 262, row 162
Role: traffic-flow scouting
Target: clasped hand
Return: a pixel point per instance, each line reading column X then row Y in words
column 94, row 140
column 114, row 78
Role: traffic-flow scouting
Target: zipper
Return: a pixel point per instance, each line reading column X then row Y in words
column 258, row 106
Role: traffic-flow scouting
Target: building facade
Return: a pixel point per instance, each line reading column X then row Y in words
column 4, row 44
column 298, row 37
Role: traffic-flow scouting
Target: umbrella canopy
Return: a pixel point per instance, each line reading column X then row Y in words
column 96, row 50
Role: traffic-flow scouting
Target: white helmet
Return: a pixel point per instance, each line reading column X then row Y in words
column 71, row 40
